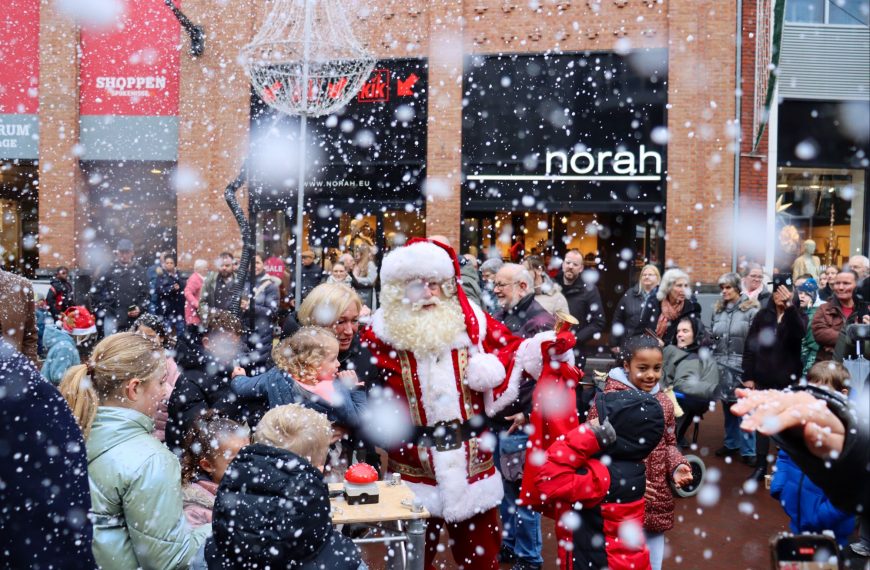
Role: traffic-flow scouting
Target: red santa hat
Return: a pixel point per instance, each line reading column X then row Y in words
column 423, row 258
column 78, row 321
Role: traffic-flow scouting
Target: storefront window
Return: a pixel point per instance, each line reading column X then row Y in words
column 19, row 213
column 823, row 205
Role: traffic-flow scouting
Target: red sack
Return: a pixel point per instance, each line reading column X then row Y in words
column 554, row 413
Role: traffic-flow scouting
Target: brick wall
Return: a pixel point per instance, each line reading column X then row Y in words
column 214, row 110
column 62, row 204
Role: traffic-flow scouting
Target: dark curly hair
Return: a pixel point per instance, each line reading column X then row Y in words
column 203, row 440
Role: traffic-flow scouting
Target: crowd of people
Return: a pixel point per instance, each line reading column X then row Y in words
column 201, row 417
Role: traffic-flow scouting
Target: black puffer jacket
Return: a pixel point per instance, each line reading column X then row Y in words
column 775, row 364
column 627, row 316
column 197, row 390
column 272, row 510
column 584, row 302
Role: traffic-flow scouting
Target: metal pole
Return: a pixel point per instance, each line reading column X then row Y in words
column 738, row 99
column 303, row 142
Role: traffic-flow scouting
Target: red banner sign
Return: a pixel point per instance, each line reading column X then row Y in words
column 19, row 57
column 132, row 69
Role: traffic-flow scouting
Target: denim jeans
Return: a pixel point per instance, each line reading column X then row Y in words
column 735, row 438
column 655, row 542
column 521, row 525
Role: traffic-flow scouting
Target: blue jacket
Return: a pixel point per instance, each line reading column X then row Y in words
column 805, row 503
column 62, row 354
column 258, row 394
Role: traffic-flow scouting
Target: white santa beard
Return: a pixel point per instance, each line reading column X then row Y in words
column 423, row 331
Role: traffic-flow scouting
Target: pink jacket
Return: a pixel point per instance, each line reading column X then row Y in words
column 162, row 415
column 199, row 501
column 192, row 291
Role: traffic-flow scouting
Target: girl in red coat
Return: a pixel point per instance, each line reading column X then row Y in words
column 642, row 370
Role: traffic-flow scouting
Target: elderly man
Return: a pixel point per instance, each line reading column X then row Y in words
column 445, row 363
column 514, row 289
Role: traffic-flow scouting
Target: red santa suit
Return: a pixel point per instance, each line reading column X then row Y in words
column 447, row 391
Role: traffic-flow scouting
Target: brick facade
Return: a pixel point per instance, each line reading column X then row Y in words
column 214, row 108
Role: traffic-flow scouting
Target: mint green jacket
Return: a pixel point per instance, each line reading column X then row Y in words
column 136, row 496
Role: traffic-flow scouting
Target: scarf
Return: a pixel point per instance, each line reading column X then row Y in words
column 669, row 313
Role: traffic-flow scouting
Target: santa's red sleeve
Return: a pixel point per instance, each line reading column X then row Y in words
column 570, row 474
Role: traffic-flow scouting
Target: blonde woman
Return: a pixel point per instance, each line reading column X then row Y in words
column 135, row 480
column 626, row 317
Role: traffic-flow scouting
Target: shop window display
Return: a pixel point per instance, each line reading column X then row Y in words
column 821, row 206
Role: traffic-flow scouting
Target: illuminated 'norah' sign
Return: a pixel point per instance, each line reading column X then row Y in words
column 642, row 166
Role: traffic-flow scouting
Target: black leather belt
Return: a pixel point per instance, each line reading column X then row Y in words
column 445, row 436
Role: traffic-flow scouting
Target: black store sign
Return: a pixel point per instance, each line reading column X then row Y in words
column 581, row 132
column 370, row 155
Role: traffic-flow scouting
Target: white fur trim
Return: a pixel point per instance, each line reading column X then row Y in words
column 454, row 498
column 529, row 356
column 438, row 392
column 485, row 371
column 493, row 405
column 421, row 260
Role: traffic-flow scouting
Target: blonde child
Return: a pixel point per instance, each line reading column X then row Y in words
column 274, row 511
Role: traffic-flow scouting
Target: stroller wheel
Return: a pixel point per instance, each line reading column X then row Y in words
column 698, row 472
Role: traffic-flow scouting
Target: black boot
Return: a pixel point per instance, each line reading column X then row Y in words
column 759, row 473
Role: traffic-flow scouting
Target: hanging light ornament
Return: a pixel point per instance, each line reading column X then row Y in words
column 307, row 43
column 306, row 61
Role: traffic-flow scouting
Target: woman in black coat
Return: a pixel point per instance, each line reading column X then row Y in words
column 774, row 365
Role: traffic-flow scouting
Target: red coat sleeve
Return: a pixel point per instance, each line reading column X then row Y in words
column 570, row 472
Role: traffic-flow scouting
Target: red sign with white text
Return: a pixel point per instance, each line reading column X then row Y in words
column 19, row 57
column 132, row 68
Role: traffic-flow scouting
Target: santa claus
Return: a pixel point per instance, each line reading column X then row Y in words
column 448, row 363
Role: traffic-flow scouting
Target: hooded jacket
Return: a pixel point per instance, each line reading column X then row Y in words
column 43, row 526
column 62, row 354
column 806, row 505
column 136, row 496
column 59, row 297
column 661, row 462
column 273, row 510
column 610, row 496
column 687, row 372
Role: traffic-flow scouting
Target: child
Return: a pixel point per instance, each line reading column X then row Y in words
column 209, row 447
column 274, row 511
column 69, row 344
column 607, row 501
column 163, row 336
column 306, row 372
column 135, row 481
column 803, row 501
column 642, row 370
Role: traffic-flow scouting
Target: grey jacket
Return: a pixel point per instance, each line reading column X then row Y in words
column 729, row 329
column 136, row 499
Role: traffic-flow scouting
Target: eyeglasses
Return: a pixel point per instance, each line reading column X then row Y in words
column 498, row 285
